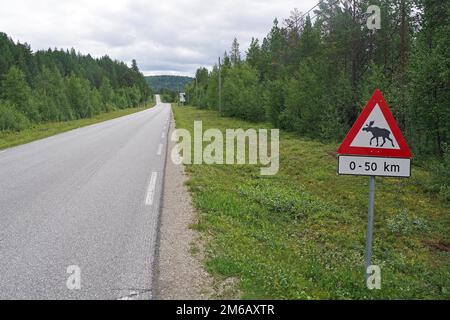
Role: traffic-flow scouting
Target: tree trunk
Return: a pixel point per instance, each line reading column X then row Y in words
column 403, row 40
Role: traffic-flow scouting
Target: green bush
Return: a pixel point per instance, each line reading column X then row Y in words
column 11, row 119
column 442, row 170
column 437, row 181
column 293, row 203
column 405, row 223
column 242, row 94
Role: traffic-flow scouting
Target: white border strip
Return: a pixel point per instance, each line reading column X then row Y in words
column 151, row 189
column 159, row 149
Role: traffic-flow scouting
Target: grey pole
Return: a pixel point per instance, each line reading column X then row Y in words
column 220, row 90
column 196, row 89
column 368, row 259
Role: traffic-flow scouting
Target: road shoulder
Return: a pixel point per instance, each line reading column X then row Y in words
column 179, row 273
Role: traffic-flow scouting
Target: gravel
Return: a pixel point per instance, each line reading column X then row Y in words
column 179, row 274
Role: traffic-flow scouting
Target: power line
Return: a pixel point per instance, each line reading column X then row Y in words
column 315, row 16
column 304, row 14
column 317, row 4
column 311, row 9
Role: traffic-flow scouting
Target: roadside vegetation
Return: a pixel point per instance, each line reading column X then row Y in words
column 301, row 233
column 312, row 74
column 57, row 85
column 168, row 95
column 39, row 131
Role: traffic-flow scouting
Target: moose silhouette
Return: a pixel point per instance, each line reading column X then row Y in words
column 378, row 133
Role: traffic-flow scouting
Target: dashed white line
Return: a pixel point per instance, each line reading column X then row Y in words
column 131, row 296
column 160, row 149
column 163, row 135
column 151, row 189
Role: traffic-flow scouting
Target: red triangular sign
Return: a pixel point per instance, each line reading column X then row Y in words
column 375, row 133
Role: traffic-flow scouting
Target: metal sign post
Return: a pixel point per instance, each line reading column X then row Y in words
column 368, row 259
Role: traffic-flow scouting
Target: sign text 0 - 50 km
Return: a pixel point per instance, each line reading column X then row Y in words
column 374, row 166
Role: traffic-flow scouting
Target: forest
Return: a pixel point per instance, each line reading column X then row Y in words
column 314, row 72
column 168, row 87
column 56, row 85
column 172, row 83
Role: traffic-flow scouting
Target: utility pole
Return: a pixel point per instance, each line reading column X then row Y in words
column 220, row 89
column 196, row 89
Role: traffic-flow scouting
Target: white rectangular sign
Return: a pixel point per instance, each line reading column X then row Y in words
column 374, row 166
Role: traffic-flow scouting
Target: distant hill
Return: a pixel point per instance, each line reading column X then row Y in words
column 174, row 83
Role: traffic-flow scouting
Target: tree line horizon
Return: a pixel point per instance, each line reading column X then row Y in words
column 314, row 78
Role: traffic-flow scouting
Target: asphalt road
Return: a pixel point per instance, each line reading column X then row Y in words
column 88, row 198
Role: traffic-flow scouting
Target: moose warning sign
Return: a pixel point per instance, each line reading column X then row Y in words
column 374, row 145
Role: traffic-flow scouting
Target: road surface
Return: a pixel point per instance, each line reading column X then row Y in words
column 88, row 198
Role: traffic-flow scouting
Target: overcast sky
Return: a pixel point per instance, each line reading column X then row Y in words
column 165, row 36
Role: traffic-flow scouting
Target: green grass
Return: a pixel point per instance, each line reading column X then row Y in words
column 301, row 233
column 12, row 138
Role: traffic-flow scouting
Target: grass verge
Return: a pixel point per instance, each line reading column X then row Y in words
column 12, row 138
column 301, row 233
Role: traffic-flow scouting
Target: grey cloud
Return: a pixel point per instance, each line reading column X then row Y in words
column 172, row 36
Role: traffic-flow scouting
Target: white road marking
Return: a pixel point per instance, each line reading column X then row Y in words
column 159, row 149
column 151, row 189
column 131, row 296
column 163, row 135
